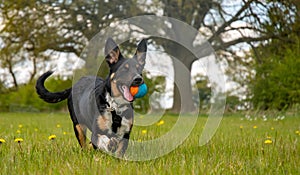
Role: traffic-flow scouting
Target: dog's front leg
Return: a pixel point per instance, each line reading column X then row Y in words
column 122, row 146
column 100, row 131
column 113, row 144
column 100, row 142
column 104, row 143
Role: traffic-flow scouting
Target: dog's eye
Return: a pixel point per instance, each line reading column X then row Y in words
column 107, row 58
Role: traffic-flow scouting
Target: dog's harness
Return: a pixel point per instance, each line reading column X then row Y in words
column 118, row 104
column 119, row 111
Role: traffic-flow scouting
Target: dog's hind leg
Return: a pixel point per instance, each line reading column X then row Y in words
column 80, row 134
column 79, row 129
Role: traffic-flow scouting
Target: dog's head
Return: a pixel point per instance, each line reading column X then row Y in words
column 125, row 72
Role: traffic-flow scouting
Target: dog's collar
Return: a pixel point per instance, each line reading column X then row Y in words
column 117, row 104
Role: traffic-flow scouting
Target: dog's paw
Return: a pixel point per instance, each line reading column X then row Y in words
column 103, row 142
column 113, row 144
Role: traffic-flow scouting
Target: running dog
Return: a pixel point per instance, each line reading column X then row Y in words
column 104, row 106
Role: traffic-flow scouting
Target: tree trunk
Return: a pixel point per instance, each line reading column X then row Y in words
column 34, row 69
column 10, row 69
column 184, row 53
column 182, row 94
column 182, row 62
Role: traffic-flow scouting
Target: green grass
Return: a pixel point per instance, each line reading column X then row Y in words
column 233, row 150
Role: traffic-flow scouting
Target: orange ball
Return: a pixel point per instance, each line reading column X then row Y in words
column 134, row 90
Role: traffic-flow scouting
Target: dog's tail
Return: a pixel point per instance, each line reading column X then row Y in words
column 50, row 97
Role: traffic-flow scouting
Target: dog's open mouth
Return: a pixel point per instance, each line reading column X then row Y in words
column 126, row 93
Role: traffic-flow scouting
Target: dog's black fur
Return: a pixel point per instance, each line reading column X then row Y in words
column 104, row 106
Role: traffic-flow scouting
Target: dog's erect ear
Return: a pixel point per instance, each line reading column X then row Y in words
column 141, row 52
column 109, row 46
column 111, row 51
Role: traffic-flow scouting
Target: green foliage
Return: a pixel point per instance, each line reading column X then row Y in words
column 204, row 90
column 26, row 98
column 232, row 103
column 277, row 83
column 202, row 86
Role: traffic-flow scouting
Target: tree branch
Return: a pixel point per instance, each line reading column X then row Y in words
column 228, row 23
column 225, row 45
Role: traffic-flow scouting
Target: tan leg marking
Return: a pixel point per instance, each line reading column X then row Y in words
column 81, row 136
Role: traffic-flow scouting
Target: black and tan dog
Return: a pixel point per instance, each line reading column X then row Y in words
column 103, row 106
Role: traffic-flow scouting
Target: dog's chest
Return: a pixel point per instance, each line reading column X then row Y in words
column 119, row 117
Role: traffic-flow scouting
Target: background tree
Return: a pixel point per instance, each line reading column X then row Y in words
column 33, row 30
column 276, row 83
column 226, row 24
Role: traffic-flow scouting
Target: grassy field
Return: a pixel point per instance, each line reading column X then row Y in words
column 242, row 145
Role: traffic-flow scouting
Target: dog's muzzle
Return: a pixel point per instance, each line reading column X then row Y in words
column 137, row 80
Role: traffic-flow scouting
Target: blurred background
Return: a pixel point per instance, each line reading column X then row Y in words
column 255, row 41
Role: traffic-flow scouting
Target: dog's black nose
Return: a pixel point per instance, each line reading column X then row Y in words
column 138, row 80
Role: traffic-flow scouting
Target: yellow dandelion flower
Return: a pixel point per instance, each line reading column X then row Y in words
column 19, row 140
column 52, row 137
column 241, row 127
column 58, row 126
column 36, row 130
column 268, row 141
column 297, row 132
column 272, row 128
column 20, row 126
column 2, row 141
column 160, row 123
column 254, row 126
column 144, row 131
column 18, row 131
column 64, row 133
